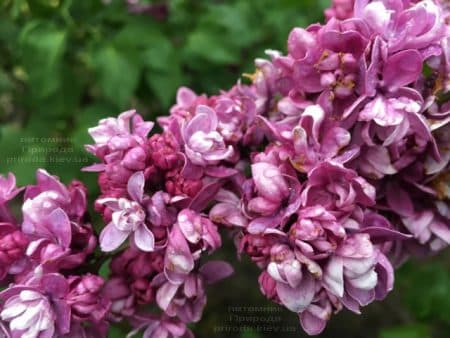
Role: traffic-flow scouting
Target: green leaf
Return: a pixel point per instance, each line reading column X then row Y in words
column 161, row 55
column 250, row 334
column 5, row 82
column 432, row 302
column 406, row 331
column 234, row 22
column 43, row 7
column 118, row 74
column 116, row 332
column 104, row 269
column 22, row 153
column 164, row 85
column 138, row 33
column 210, row 47
column 42, row 49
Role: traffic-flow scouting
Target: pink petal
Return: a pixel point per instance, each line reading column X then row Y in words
column 111, row 238
column 311, row 324
column 402, row 69
column 165, row 294
column 215, row 271
column 144, row 238
column 135, row 186
column 297, row 299
column 333, row 278
column 60, row 226
column 55, row 284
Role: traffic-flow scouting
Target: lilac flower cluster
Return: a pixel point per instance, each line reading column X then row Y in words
column 43, row 256
column 329, row 170
column 354, row 177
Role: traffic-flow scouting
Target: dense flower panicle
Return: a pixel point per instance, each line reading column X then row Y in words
column 122, row 146
column 53, row 219
column 135, row 263
column 329, row 169
column 428, row 222
column 123, row 302
column 164, row 151
column 359, row 112
column 85, row 298
column 118, row 134
column 187, row 299
column 50, row 305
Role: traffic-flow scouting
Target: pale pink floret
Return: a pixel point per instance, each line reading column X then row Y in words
column 128, row 219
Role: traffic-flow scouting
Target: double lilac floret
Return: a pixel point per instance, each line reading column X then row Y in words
column 128, row 218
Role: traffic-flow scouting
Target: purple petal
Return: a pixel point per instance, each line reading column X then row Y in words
column 399, row 200
column 363, row 297
column 94, row 167
column 385, row 273
column 297, row 299
column 60, row 226
column 333, row 278
column 63, row 311
column 205, row 120
column 311, row 324
column 205, row 196
column 191, row 171
column 185, row 97
column 259, row 225
column 165, row 294
column 55, row 284
column 402, row 69
column 214, row 271
column 135, row 186
column 144, row 238
column 111, row 238
column 220, row 172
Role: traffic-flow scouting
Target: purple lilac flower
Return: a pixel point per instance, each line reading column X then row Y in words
column 13, row 244
column 121, row 145
column 53, row 219
column 204, row 145
column 118, row 134
column 85, row 299
column 187, row 300
column 138, row 268
column 317, row 138
column 50, row 305
column 404, row 25
column 199, row 231
column 228, row 210
column 123, row 302
column 429, row 223
column 128, row 218
column 338, row 189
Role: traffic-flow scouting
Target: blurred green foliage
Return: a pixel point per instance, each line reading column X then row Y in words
column 65, row 64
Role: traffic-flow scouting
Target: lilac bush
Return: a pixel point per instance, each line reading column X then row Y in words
column 329, row 170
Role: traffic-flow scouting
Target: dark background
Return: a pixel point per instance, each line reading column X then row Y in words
column 65, row 64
